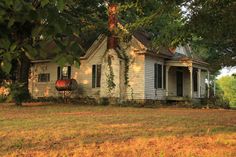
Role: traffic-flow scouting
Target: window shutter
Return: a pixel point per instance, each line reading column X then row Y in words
column 58, row 73
column 195, row 80
column 48, row 75
column 164, row 77
column 93, row 76
column 155, row 76
column 69, row 72
column 98, row 75
column 159, row 76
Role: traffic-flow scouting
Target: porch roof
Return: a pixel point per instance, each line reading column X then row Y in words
column 184, row 61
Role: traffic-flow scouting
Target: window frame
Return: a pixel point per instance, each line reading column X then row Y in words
column 158, row 76
column 60, row 72
column 96, row 75
column 47, row 77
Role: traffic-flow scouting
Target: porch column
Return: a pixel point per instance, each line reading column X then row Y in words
column 208, row 84
column 167, row 79
column 191, row 81
column 199, row 83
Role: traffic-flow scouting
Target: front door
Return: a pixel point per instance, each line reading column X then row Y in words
column 179, row 83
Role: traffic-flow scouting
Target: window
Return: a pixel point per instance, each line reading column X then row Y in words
column 64, row 72
column 195, row 80
column 96, row 75
column 44, row 77
column 158, row 75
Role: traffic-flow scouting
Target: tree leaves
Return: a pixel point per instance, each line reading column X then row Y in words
column 214, row 24
column 44, row 2
column 6, row 66
column 30, row 51
column 60, row 5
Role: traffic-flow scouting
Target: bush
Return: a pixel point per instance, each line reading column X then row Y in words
column 2, row 98
column 18, row 92
column 104, row 101
column 218, row 102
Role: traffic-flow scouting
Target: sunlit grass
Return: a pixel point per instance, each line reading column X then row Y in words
column 70, row 130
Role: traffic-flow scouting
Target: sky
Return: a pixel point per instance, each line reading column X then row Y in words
column 226, row 71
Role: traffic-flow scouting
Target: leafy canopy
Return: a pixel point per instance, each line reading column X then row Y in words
column 40, row 29
column 65, row 28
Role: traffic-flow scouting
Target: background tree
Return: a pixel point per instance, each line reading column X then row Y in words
column 63, row 29
column 228, row 85
column 211, row 26
column 31, row 29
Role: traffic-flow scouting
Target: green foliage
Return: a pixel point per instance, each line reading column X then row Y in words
column 65, row 28
column 41, row 29
column 2, row 98
column 110, row 77
column 208, row 25
column 104, row 101
column 227, row 85
column 211, row 26
column 163, row 19
column 18, row 92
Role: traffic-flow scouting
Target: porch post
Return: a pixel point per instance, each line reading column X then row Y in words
column 208, row 84
column 190, row 68
column 167, row 79
column 199, row 83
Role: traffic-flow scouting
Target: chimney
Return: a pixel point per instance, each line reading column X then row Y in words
column 112, row 24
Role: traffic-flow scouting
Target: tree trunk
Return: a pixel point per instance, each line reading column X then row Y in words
column 22, row 75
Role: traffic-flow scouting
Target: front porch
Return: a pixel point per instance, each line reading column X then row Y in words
column 185, row 79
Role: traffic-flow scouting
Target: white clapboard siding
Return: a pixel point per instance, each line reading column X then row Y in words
column 150, row 91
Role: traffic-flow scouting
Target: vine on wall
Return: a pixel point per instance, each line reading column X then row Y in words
column 121, row 53
column 110, row 77
column 127, row 61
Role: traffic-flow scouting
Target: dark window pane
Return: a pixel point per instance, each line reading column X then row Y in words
column 99, row 75
column 93, row 76
column 69, row 72
column 155, row 75
column 44, row 77
column 58, row 73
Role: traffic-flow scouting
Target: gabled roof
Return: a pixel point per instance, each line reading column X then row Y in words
column 143, row 38
column 94, row 46
column 181, row 52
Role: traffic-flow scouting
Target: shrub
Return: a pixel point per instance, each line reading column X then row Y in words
column 18, row 92
column 2, row 98
column 218, row 102
column 104, row 101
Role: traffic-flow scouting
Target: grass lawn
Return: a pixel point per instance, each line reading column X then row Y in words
column 70, row 130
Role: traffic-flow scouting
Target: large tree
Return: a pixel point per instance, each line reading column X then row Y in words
column 36, row 28
column 212, row 26
column 32, row 29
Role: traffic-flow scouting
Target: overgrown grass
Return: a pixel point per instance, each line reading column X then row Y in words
column 70, row 130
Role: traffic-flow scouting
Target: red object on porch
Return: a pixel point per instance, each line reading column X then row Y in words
column 66, row 85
